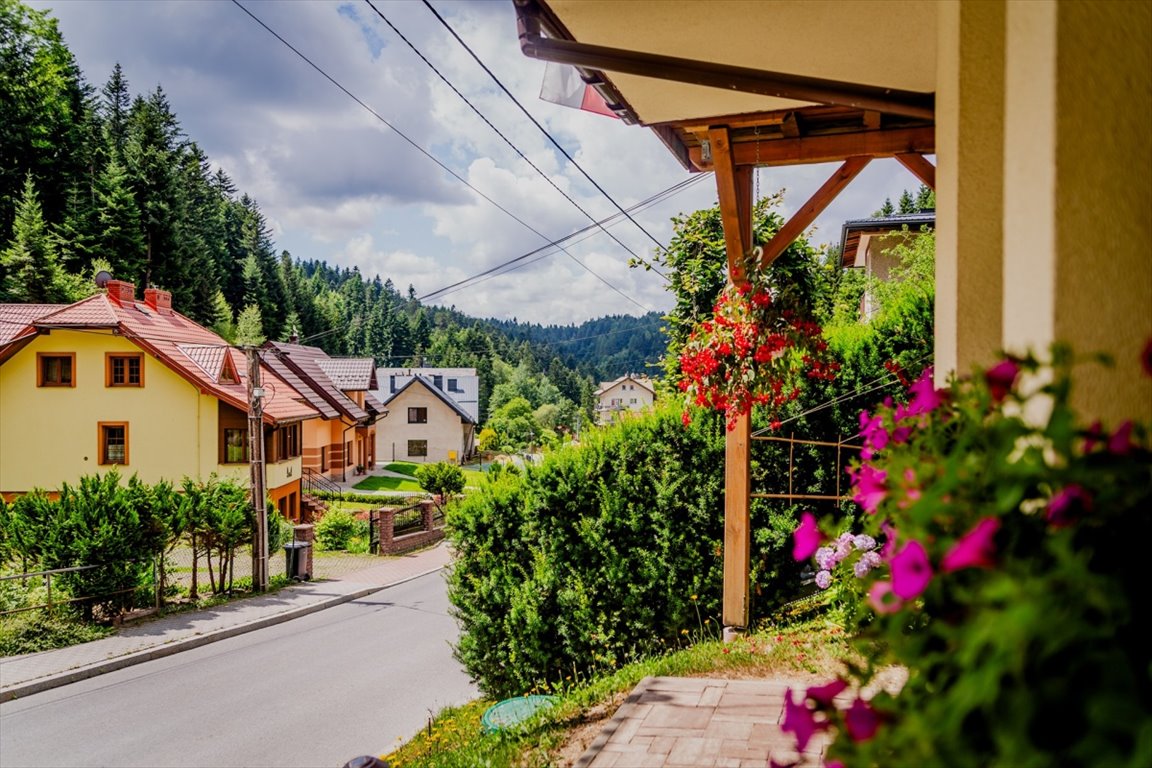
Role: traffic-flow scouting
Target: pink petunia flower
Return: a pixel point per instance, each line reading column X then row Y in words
column 806, row 538
column 1120, row 443
column 799, row 721
column 1001, row 378
column 1095, row 436
column 925, row 397
column 1068, row 506
column 883, row 599
column 870, row 487
column 861, row 720
column 911, row 571
column 824, row 694
column 975, row 549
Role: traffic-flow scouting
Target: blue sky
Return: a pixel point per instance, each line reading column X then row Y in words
column 337, row 184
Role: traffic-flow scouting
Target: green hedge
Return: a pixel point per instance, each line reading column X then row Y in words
column 604, row 553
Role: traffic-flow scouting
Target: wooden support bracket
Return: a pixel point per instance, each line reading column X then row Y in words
column 734, row 188
column 807, row 214
column 920, row 168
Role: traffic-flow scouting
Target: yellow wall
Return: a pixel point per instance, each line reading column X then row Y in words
column 1073, row 180
column 444, row 430
column 49, row 435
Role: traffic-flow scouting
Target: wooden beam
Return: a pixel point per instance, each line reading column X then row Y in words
column 791, row 126
column 872, row 120
column 737, row 526
column 807, row 214
column 734, row 188
column 920, row 167
column 827, row 148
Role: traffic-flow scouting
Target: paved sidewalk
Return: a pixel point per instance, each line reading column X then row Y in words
column 702, row 723
column 24, row 675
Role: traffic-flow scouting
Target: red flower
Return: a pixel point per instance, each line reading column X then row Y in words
column 1001, row 378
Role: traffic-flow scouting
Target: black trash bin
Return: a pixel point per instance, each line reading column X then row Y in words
column 296, row 560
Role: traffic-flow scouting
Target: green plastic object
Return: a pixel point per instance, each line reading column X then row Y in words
column 511, row 712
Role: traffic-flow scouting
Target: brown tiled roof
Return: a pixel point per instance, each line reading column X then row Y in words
column 310, row 366
column 350, row 373
column 15, row 319
column 191, row 350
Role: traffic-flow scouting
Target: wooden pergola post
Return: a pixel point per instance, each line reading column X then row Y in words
column 734, row 187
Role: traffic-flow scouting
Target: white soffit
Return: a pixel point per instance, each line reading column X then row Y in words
column 887, row 43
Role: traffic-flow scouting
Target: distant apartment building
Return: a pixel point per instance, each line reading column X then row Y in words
column 629, row 393
column 434, row 412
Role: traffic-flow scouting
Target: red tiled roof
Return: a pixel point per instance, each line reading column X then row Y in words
column 350, row 373
column 15, row 319
column 310, row 367
column 191, row 350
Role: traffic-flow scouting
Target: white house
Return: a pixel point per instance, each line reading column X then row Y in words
column 866, row 244
column 434, row 412
column 630, row 392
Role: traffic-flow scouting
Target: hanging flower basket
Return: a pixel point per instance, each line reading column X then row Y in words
column 755, row 349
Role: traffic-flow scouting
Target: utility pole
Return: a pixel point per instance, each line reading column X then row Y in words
column 256, row 464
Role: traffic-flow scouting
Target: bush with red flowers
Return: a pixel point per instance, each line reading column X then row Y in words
column 760, row 342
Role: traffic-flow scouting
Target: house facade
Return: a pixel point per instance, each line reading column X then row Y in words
column 867, row 244
column 342, row 441
column 424, row 425
column 627, row 394
column 461, row 385
column 115, row 382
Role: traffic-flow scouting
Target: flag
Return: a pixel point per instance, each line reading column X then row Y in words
column 563, row 85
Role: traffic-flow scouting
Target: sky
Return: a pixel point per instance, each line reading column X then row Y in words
column 339, row 184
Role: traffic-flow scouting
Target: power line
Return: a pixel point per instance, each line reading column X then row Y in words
column 520, row 261
column 543, row 130
column 499, row 133
column 425, row 152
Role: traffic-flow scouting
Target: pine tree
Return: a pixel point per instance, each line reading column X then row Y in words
column 907, row 204
column 29, row 268
column 925, row 198
column 222, row 322
column 113, row 110
column 119, row 238
column 250, row 327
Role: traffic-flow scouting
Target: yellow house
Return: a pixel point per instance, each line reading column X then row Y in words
column 114, row 382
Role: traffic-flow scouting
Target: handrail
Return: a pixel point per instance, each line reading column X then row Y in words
column 314, row 481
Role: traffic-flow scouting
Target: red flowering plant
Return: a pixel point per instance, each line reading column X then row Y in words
column 761, row 340
column 1000, row 566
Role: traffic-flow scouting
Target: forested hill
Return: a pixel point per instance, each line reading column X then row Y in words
column 605, row 348
column 94, row 177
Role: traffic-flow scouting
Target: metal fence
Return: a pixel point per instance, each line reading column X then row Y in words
column 21, row 592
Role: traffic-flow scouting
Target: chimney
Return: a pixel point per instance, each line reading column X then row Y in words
column 121, row 292
column 159, row 300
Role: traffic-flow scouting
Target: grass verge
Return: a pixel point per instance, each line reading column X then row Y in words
column 812, row 649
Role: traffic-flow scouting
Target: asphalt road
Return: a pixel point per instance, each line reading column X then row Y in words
column 315, row 691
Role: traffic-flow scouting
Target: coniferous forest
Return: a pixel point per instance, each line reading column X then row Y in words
column 99, row 177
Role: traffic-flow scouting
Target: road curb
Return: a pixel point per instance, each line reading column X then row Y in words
column 176, row 646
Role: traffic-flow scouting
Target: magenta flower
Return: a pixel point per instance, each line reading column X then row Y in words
column 824, row 694
column 925, row 397
column 1001, row 378
column 873, row 432
column 1120, row 443
column 1094, row 438
column 833, row 764
column 889, row 532
column 911, row 571
column 806, row 538
column 861, row 721
column 882, row 598
column 975, row 549
column 870, row 488
column 1068, row 506
column 800, row 721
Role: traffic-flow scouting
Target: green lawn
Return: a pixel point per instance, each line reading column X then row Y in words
column 471, row 476
column 376, row 483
